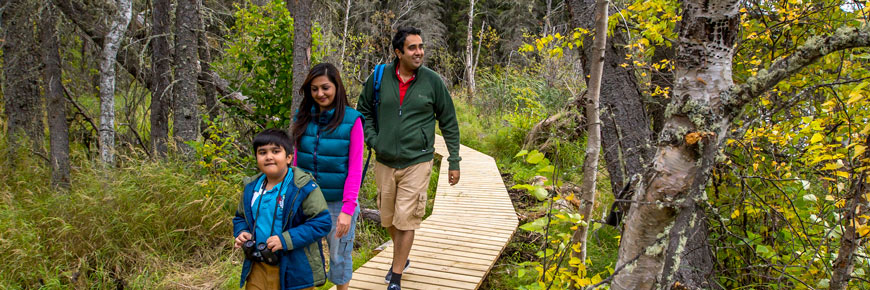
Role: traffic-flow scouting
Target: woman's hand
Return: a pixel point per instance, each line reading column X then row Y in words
column 343, row 225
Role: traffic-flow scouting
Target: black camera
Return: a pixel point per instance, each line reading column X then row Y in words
column 259, row 252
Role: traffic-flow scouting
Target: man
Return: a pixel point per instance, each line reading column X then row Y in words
column 412, row 98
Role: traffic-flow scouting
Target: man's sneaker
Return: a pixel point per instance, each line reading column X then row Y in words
column 390, row 272
column 394, row 286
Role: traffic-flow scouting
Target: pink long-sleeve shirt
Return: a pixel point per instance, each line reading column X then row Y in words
column 354, row 168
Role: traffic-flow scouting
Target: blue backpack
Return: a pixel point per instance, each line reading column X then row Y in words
column 378, row 74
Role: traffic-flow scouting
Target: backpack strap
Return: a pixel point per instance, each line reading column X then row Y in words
column 378, row 75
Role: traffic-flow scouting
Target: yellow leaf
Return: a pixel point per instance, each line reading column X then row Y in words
column 866, row 127
column 816, row 138
column 842, row 174
column 735, row 214
column 569, row 197
column 841, row 203
column 829, row 197
column 833, row 166
column 863, row 230
column 859, row 149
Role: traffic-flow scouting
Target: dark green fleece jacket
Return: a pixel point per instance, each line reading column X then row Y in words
column 405, row 133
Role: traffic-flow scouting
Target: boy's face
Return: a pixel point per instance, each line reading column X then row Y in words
column 272, row 160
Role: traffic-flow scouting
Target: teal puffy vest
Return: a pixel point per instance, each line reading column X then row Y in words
column 324, row 154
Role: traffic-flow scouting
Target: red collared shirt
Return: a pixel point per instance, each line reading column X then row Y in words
column 403, row 86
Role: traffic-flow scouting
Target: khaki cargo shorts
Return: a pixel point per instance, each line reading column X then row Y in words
column 402, row 194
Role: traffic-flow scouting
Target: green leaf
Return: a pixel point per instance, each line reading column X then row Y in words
column 521, row 273
column 535, row 157
column 540, row 193
column 522, row 153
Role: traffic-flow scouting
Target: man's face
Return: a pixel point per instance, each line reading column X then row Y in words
column 412, row 57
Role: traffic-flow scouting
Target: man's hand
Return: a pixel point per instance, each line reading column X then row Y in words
column 242, row 238
column 274, row 244
column 453, row 177
column 342, row 226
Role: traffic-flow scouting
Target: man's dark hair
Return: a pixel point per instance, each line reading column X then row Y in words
column 399, row 37
column 273, row 136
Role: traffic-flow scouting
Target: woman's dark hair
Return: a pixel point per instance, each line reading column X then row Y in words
column 273, row 136
column 339, row 102
column 401, row 35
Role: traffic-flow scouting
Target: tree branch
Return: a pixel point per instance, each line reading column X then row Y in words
column 806, row 54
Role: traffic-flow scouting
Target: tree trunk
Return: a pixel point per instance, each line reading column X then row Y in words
column 58, row 127
column 205, row 80
column 185, row 106
column 851, row 240
column 161, row 74
column 21, row 86
column 301, row 12
column 653, row 243
column 593, row 129
column 704, row 104
column 625, row 128
column 469, row 51
column 111, row 43
column 344, row 36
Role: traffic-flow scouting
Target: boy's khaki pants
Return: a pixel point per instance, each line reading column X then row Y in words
column 264, row 277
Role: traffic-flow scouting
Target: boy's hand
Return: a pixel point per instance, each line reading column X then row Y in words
column 274, row 244
column 342, row 226
column 242, row 238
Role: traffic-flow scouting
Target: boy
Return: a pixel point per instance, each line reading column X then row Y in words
column 283, row 213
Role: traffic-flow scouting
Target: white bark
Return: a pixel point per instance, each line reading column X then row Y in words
column 111, row 44
column 593, row 128
column 344, row 36
column 469, row 51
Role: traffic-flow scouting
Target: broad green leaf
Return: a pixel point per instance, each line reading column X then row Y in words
column 540, row 193
column 522, row 153
column 535, row 157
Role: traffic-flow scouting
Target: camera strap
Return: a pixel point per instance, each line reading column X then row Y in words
column 275, row 212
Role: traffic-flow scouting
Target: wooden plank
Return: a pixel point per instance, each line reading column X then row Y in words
column 468, row 247
column 472, row 225
column 406, row 283
column 439, row 261
column 384, row 263
column 474, row 277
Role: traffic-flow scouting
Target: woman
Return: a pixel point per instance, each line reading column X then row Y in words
column 329, row 144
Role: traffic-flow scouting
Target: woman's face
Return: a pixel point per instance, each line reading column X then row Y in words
column 323, row 92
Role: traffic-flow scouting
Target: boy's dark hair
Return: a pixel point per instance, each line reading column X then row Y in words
column 401, row 34
column 273, row 136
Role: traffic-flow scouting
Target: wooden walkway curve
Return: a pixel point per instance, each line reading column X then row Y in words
column 456, row 246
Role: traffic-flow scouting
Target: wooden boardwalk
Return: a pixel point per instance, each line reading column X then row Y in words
column 456, row 246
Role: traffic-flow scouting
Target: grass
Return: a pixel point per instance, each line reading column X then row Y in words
column 142, row 225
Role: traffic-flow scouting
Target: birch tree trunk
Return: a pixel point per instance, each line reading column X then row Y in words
column 58, row 127
column 185, row 106
column 23, row 104
column 625, row 129
column 704, row 104
column 161, row 74
column 593, row 129
column 469, row 51
column 301, row 12
column 111, row 43
column 344, row 36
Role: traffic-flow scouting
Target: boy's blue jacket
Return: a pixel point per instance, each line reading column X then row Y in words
column 306, row 222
